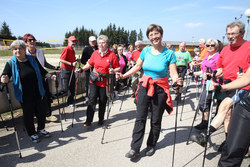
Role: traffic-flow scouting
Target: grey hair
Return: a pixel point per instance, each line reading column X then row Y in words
column 103, row 37
column 18, row 43
column 202, row 40
column 239, row 24
column 213, row 40
column 138, row 42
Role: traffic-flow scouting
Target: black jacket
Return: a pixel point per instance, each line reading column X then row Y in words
column 86, row 54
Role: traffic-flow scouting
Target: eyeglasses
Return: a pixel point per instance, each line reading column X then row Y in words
column 232, row 34
column 31, row 40
column 210, row 46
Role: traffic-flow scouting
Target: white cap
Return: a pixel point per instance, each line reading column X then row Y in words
column 92, row 38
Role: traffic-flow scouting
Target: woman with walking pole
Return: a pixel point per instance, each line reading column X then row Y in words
column 156, row 61
column 28, row 78
column 100, row 60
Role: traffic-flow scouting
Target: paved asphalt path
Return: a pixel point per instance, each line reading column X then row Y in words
column 78, row 146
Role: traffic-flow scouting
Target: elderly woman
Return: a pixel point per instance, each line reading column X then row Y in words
column 153, row 89
column 209, row 62
column 101, row 60
column 31, row 49
column 28, row 74
column 123, row 68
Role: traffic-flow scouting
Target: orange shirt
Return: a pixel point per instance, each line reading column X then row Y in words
column 204, row 53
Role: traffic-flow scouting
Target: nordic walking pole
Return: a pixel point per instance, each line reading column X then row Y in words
column 60, row 116
column 123, row 98
column 13, row 121
column 73, row 112
column 176, row 116
column 197, row 108
column 210, row 118
column 109, row 100
column 188, row 82
column 195, row 115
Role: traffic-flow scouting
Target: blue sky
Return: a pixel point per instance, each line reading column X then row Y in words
column 181, row 20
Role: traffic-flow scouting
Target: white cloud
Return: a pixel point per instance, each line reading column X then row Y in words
column 193, row 25
column 236, row 8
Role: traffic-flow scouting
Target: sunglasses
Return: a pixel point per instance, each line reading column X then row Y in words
column 210, row 45
column 31, row 40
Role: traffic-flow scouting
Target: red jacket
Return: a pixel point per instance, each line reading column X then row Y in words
column 163, row 83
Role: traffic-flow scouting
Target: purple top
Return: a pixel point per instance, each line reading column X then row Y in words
column 211, row 63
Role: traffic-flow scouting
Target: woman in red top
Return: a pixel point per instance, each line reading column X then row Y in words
column 101, row 60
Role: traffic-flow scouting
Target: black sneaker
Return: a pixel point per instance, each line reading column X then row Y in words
column 150, row 151
column 86, row 124
column 200, row 139
column 201, row 126
column 132, row 154
column 100, row 123
column 43, row 133
column 34, row 138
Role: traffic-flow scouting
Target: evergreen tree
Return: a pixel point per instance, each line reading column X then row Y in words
column 140, row 35
column 132, row 37
column 5, row 30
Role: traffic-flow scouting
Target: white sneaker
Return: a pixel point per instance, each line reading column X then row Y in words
column 51, row 118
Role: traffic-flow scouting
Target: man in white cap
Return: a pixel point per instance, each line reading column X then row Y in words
column 86, row 54
column 68, row 63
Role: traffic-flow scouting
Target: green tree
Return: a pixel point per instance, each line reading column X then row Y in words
column 5, row 30
column 132, row 37
column 140, row 35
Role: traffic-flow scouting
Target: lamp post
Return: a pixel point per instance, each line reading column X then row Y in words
column 247, row 14
column 223, row 37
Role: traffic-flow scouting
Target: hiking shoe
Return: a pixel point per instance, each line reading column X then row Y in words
column 86, row 124
column 150, row 151
column 43, row 133
column 100, row 123
column 34, row 138
column 132, row 154
column 51, row 118
column 200, row 139
column 201, row 126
